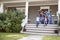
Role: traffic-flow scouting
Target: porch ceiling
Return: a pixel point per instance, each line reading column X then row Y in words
column 43, row 3
column 25, row 0
column 33, row 3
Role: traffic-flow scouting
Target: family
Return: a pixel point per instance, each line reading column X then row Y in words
column 44, row 18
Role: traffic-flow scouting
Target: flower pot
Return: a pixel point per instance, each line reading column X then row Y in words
column 56, row 31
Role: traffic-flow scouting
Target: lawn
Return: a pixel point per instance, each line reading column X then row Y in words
column 51, row 38
column 11, row 36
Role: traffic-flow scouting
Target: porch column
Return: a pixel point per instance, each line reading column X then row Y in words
column 1, row 7
column 58, row 13
column 25, row 21
column 26, row 12
column 59, row 6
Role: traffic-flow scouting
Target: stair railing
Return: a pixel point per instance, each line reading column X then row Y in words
column 58, row 17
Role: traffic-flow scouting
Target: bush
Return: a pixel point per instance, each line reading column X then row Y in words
column 11, row 21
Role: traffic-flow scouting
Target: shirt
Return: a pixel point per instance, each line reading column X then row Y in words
column 47, row 14
column 37, row 18
column 45, row 19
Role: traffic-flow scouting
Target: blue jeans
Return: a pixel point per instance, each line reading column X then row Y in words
column 37, row 23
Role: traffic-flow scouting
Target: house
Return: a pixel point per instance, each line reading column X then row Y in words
column 31, row 8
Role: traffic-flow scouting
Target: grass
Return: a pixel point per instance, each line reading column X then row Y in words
column 11, row 36
column 51, row 38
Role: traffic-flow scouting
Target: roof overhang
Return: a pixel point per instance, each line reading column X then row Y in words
column 31, row 3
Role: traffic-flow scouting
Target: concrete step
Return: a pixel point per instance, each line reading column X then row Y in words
column 41, row 24
column 43, row 34
column 41, row 31
column 42, row 27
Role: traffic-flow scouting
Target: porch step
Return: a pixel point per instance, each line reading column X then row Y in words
column 41, row 30
column 41, row 25
column 41, row 34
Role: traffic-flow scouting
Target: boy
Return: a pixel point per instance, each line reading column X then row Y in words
column 37, row 22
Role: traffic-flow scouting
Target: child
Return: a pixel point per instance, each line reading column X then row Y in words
column 45, row 20
column 37, row 21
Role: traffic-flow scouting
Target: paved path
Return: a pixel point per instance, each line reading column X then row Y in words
column 32, row 38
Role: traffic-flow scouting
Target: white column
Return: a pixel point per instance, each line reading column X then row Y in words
column 25, row 21
column 58, row 9
column 59, row 6
column 26, row 12
column 1, row 8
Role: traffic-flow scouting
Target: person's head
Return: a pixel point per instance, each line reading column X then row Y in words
column 42, row 11
column 46, row 11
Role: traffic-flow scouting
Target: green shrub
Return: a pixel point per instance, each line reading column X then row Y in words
column 11, row 21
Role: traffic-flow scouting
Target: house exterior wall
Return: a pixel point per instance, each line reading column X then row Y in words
column 54, row 10
column 33, row 12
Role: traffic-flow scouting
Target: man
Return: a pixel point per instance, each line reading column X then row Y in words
column 50, row 20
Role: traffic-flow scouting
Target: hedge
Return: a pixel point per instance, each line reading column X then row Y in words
column 11, row 21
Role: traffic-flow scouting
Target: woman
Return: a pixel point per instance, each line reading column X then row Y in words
column 41, row 17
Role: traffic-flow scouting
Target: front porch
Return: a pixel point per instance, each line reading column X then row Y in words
column 31, row 9
column 33, row 12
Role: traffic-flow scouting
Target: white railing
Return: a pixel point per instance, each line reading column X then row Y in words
column 58, row 16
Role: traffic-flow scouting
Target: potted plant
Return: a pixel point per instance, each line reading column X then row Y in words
column 57, row 31
column 58, row 26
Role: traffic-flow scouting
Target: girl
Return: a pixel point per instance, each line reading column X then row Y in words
column 45, row 21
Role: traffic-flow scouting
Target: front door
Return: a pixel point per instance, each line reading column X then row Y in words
column 44, row 10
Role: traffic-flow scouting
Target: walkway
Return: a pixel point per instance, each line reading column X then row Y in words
column 32, row 38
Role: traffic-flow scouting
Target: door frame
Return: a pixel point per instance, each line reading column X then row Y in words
column 45, row 7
